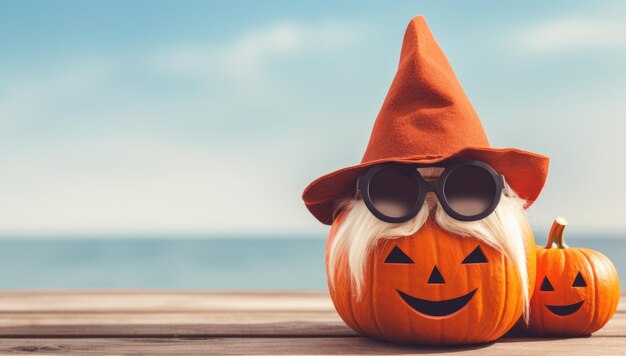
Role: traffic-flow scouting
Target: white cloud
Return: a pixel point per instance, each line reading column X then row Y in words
column 241, row 61
column 246, row 57
column 113, row 170
column 573, row 33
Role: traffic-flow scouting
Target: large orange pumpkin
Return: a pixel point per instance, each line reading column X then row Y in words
column 577, row 289
column 432, row 287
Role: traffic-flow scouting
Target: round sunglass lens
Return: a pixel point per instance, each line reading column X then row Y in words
column 470, row 190
column 394, row 192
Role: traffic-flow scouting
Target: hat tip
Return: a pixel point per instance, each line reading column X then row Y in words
column 418, row 26
column 418, row 20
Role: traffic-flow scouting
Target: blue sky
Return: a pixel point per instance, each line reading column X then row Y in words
column 194, row 117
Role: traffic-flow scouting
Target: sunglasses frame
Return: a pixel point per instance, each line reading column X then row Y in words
column 436, row 186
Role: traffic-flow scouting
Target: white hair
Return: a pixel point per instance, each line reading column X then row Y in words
column 360, row 232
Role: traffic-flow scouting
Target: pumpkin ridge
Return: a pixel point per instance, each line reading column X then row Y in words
column 373, row 288
column 519, row 307
column 340, row 302
column 350, row 305
column 497, row 327
column 596, row 321
column 615, row 292
column 536, row 296
column 590, row 265
column 469, row 332
column 414, row 333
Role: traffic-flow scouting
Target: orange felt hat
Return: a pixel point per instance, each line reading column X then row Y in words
column 427, row 118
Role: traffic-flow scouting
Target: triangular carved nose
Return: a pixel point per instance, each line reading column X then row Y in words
column 435, row 277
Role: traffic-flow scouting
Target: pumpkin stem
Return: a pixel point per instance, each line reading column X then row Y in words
column 555, row 238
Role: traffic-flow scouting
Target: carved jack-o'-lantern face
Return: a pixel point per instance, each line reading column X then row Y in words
column 432, row 287
column 577, row 288
column 564, row 309
column 436, row 308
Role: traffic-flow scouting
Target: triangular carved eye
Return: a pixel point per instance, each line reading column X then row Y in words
column 579, row 281
column 477, row 256
column 546, row 286
column 397, row 256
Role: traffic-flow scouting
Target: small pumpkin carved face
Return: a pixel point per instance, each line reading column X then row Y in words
column 432, row 287
column 577, row 288
column 564, row 309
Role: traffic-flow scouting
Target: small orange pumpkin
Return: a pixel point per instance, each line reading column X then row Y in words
column 432, row 287
column 577, row 289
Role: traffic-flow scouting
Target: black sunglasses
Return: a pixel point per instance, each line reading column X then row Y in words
column 467, row 190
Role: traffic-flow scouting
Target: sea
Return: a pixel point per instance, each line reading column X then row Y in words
column 190, row 263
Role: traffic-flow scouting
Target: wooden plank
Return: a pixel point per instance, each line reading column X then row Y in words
column 168, row 314
column 84, row 325
column 309, row 346
column 188, row 314
column 247, row 317
column 174, row 324
column 283, row 329
column 161, row 301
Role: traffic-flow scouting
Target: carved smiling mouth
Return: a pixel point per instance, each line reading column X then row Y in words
column 563, row 310
column 440, row 308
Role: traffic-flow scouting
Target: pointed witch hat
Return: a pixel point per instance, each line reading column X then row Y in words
column 427, row 118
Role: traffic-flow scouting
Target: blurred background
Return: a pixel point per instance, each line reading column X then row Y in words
column 165, row 144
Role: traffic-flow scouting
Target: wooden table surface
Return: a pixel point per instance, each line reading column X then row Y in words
column 225, row 323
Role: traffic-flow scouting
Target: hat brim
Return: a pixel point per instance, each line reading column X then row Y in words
column 525, row 172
